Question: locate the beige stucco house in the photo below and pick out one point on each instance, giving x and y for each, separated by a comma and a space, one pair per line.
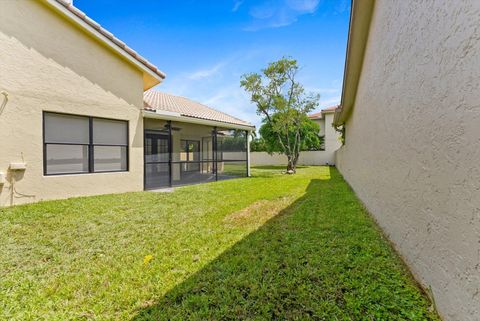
410, 109
77, 116
331, 137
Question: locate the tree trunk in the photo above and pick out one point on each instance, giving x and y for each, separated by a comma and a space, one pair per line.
291, 164
295, 160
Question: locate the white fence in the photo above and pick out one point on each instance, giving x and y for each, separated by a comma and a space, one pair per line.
306, 158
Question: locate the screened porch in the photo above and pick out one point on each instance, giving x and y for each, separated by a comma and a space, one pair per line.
180, 153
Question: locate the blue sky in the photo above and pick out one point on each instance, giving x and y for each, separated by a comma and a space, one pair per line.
204, 46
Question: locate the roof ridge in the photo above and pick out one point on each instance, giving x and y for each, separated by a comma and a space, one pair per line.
202, 104
330, 108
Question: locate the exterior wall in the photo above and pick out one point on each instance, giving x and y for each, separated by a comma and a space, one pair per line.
321, 123
412, 151
48, 64
306, 158
332, 137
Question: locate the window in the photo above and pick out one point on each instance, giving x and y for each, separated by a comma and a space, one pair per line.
80, 144
110, 145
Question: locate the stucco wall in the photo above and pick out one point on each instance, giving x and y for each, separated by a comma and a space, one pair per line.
412, 151
306, 158
332, 137
46, 64
321, 123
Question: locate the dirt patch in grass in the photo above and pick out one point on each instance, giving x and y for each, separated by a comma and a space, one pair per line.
258, 212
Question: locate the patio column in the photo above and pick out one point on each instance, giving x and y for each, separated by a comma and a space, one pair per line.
214, 148
170, 151
247, 133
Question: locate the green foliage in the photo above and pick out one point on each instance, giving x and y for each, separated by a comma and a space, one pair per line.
279, 247
282, 102
308, 131
258, 145
237, 142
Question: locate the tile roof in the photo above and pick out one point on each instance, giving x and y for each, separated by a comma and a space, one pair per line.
67, 4
155, 100
320, 113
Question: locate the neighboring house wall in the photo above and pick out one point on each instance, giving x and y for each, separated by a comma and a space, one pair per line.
412, 150
306, 158
332, 137
321, 123
48, 64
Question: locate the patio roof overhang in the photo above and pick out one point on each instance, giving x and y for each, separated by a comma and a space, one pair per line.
173, 116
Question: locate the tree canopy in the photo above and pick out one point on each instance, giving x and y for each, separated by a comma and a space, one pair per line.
283, 104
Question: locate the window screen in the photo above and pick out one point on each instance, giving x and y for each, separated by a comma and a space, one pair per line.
79, 144
66, 129
110, 141
110, 158
109, 132
63, 159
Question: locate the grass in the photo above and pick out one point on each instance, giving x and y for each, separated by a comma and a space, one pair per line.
234, 169
269, 247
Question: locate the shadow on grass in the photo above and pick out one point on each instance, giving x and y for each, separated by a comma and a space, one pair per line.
321, 258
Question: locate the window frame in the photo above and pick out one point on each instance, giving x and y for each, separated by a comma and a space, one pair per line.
187, 142
90, 145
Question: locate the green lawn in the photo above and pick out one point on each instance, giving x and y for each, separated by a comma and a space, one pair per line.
269, 247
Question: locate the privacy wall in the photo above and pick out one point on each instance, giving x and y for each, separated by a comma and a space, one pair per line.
412, 151
306, 158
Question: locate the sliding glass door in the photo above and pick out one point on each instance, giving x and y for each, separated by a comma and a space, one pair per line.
157, 160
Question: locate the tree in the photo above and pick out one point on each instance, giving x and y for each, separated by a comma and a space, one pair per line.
282, 102
308, 131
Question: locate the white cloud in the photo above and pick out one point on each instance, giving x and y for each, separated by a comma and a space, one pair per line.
329, 102
342, 6
233, 100
275, 14
303, 5
322, 91
218, 86
263, 11
206, 73
237, 5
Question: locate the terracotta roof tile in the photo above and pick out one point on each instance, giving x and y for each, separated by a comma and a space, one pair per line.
315, 115
319, 115
330, 108
155, 100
